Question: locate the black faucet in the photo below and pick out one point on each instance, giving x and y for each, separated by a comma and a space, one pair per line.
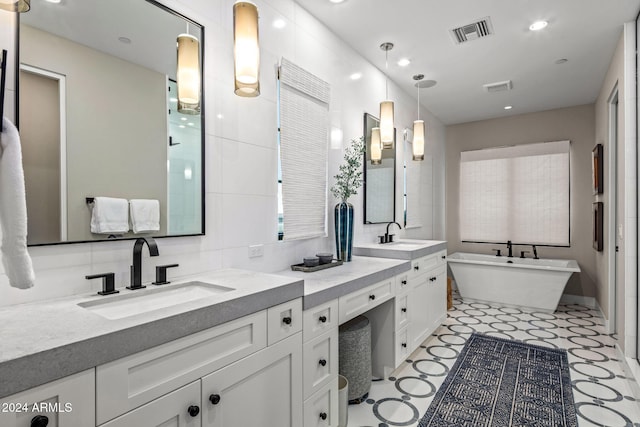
535, 252
388, 238
136, 268
510, 248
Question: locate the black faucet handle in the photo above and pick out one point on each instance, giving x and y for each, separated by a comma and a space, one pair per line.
497, 252
383, 239
161, 274
108, 282
135, 285
522, 254
390, 238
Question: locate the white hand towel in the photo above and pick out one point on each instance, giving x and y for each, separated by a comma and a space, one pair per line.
145, 215
13, 210
110, 216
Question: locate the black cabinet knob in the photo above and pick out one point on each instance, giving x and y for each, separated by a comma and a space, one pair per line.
404, 310
322, 319
372, 297
286, 320
444, 257
193, 410
404, 282
323, 416
214, 399
416, 268
39, 421
322, 362
404, 344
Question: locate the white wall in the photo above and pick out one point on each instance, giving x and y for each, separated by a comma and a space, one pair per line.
241, 159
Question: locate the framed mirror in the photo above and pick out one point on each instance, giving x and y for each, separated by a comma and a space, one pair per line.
98, 116
379, 180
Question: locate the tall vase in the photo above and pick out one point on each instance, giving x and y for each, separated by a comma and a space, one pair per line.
344, 230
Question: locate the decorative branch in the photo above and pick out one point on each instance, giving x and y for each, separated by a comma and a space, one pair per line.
349, 177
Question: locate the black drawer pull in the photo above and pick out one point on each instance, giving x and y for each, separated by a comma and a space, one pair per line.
404, 309
417, 267
286, 320
444, 257
322, 362
404, 282
322, 319
323, 416
372, 297
214, 399
39, 421
193, 410
404, 344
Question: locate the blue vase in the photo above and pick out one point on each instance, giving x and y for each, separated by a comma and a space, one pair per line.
344, 230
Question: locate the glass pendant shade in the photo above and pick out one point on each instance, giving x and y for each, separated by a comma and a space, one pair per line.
418, 140
246, 49
387, 131
15, 5
188, 74
376, 147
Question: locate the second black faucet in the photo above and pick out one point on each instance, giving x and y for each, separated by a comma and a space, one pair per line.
136, 268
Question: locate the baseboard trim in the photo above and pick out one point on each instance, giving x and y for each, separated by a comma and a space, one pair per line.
579, 299
631, 368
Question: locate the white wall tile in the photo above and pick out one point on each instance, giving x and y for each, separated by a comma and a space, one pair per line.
249, 169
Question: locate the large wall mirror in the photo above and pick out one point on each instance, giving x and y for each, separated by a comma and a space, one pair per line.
379, 180
98, 116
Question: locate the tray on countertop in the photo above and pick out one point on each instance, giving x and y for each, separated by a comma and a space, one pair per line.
302, 267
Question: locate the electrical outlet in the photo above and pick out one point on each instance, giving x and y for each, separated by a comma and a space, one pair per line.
256, 251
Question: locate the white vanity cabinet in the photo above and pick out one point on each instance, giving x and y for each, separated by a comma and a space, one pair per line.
428, 297
244, 372
68, 402
320, 366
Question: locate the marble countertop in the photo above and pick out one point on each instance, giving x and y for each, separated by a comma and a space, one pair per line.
45, 341
325, 285
408, 249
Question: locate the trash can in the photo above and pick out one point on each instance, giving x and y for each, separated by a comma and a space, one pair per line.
354, 350
343, 401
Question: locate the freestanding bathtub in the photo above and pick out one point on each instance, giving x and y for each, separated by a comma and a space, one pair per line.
523, 282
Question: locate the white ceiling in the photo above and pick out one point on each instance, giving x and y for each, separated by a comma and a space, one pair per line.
585, 32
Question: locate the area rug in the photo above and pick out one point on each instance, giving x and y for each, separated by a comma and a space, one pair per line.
498, 382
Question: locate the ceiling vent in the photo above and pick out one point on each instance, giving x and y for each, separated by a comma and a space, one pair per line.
476, 30
498, 86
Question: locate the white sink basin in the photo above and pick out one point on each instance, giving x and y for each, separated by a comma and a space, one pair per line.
144, 301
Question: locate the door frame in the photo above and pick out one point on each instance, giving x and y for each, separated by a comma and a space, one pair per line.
612, 135
61, 79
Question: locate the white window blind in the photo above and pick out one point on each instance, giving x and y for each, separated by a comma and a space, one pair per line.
518, 193
304, 123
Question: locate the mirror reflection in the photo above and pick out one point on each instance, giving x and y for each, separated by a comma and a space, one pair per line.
98, 116
379, 179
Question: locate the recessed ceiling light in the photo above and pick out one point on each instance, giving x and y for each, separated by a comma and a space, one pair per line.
279, 23
404, 62
355, 76
54, 1
336, 1
125, 40
190, 123
508, 107
538, 25
184, 119
220, 116
182, 126
561, 61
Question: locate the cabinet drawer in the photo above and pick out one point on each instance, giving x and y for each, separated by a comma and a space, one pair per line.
403, 344
442, 258
74, 397
172, 408
422, 265
402, 283
321, 409
402, 311
363, 300
128, 383
319, 320
320, 361
284, 320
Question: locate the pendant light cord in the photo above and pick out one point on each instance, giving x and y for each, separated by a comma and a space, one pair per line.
386, 74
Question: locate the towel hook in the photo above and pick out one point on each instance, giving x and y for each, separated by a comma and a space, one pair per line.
3, 78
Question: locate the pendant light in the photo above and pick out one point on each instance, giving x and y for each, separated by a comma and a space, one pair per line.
246, 49
15, 5
387, 127
188, 74
376, 147
418, 126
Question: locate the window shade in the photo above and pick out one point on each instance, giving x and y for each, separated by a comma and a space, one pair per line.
518, 193
304, 121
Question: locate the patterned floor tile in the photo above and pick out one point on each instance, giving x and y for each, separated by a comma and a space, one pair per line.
601, 390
